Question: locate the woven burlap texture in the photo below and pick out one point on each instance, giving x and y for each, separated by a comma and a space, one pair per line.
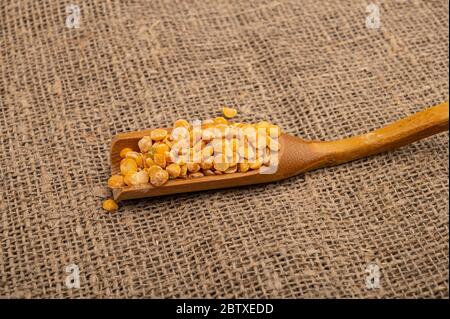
313, 67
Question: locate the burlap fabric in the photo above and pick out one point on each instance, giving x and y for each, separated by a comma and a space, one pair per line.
313, 67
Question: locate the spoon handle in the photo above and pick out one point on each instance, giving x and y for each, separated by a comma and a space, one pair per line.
410, 129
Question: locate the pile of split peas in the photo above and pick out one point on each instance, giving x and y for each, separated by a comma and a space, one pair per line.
206, 148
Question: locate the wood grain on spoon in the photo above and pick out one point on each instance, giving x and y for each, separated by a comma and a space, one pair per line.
295, 156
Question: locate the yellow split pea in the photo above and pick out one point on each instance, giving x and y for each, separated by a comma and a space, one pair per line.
174, 170
158, 134
139, 178
145, 143
229, 112
128, 165
116, 181
123, 152
182, 123
110, 205
159, 177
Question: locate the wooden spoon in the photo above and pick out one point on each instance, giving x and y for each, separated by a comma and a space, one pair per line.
295, 156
